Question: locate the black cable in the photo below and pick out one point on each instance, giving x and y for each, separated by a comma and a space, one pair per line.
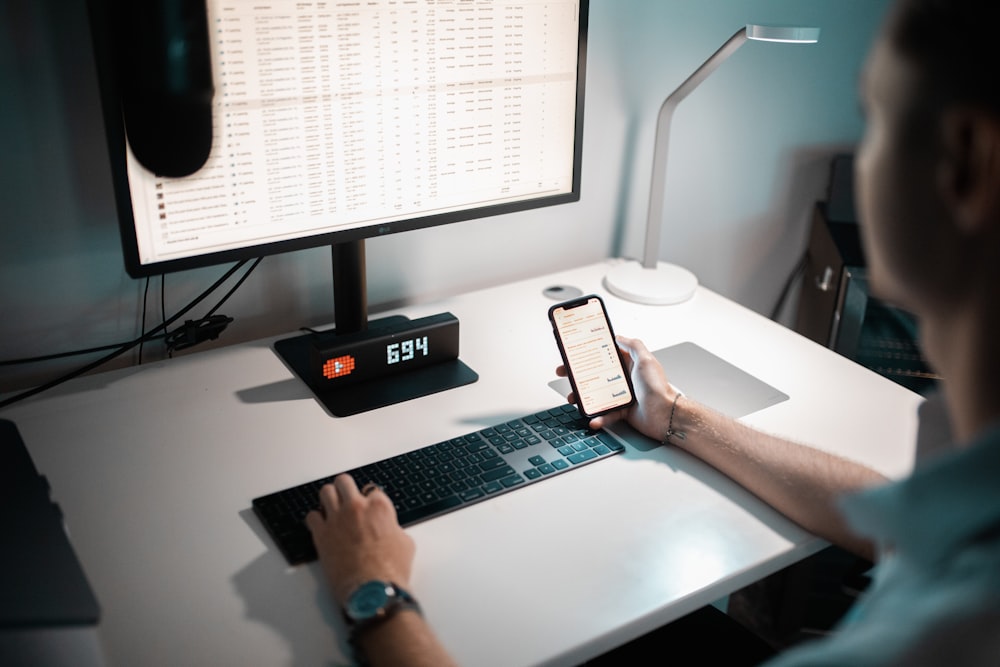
113, 346
796, 271
63, 355
209, 326
163, 297
142, 321
193, 332
124, 347
235, 287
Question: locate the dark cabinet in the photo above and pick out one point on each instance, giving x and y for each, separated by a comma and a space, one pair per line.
836, 307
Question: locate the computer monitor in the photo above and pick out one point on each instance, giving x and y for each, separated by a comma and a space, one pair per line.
337, 121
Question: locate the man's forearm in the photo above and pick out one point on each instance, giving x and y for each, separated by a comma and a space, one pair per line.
405, 639
801, 482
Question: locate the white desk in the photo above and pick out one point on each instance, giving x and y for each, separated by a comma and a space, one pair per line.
155, 468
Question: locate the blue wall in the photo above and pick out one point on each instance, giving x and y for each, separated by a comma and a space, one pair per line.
749, 156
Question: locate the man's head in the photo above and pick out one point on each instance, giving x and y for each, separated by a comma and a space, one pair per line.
953, 43
928, 170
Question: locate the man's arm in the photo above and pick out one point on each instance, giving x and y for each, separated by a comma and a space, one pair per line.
801, 482
359, 539
404, 639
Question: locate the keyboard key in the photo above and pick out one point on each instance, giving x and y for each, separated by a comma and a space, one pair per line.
410, 516
490, 464
471, 494
580, 457
496, 474
612, 444
513, 480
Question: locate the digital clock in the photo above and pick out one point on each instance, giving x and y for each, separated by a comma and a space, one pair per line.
406, 350
396, 346
395, 359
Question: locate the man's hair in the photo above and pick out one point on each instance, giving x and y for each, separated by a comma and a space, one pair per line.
954, 45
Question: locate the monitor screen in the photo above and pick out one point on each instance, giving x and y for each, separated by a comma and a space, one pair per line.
335, 121
244, 128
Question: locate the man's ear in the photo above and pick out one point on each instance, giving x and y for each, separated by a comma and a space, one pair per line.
970, 172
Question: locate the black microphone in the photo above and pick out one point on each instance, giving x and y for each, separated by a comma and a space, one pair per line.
165, 80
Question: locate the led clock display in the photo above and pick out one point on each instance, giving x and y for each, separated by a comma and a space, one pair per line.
393, 348
406, 350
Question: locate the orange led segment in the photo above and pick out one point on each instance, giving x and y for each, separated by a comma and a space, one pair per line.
338, 367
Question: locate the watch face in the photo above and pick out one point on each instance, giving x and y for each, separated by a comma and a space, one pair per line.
368, 600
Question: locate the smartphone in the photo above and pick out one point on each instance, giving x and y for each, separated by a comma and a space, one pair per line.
594, 363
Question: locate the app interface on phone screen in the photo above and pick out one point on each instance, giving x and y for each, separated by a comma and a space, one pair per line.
592, 355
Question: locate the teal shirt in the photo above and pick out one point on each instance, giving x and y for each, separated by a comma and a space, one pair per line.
935, 596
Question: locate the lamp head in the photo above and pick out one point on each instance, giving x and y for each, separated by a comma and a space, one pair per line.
787, 34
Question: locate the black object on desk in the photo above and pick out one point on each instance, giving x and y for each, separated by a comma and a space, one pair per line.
42, 583
394, 359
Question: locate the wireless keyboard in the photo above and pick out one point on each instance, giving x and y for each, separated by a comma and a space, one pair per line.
449, 475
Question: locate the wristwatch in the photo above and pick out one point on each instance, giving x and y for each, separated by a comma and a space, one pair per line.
373, 602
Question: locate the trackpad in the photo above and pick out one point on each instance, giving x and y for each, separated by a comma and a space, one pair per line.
710, 380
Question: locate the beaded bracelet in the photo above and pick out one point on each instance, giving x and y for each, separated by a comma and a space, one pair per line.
681, 435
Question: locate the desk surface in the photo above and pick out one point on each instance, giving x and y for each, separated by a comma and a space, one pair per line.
155, 468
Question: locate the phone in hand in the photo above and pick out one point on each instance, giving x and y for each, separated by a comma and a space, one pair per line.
591, 356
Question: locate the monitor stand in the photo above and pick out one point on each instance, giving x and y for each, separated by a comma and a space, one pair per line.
377, 392
353, 328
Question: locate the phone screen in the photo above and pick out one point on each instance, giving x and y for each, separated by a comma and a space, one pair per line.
587, 344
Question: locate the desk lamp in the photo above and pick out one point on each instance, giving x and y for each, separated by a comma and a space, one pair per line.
659, 283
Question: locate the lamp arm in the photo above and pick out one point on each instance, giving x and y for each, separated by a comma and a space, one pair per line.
657, 187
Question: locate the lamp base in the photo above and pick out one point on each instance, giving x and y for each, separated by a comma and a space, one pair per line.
666, 284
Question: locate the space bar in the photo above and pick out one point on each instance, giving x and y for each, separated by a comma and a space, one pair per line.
406, 517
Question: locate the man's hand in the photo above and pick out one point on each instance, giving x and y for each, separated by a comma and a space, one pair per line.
358, 537
654, 394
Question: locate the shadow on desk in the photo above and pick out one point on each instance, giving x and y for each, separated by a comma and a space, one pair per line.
273, 595
292, 389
